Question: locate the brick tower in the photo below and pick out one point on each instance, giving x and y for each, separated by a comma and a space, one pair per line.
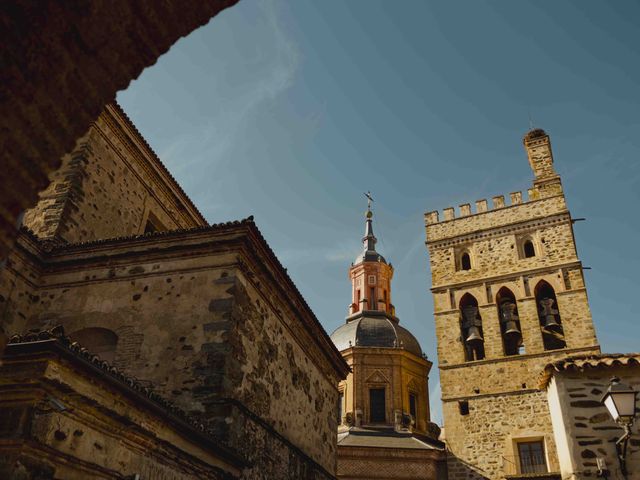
509, 297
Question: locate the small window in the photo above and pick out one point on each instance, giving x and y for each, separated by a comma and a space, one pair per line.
463, 406
528, 249
340, 407
377, 405
372, 279
412, 405
465, 261
531, 457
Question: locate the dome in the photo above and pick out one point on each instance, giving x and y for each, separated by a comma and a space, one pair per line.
374, 329
369, 256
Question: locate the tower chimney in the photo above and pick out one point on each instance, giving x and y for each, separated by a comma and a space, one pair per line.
538, 147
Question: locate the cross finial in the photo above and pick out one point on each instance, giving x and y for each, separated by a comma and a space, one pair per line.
369, 199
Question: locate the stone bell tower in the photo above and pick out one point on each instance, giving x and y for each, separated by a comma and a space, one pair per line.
509, 297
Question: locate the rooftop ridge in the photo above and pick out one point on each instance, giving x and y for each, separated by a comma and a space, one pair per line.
57, 245
154, 156
583, 362
481, 206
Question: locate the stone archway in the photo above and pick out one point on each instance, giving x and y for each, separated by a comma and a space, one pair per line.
61, 64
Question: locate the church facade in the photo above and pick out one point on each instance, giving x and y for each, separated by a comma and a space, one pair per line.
385, 431
201, 319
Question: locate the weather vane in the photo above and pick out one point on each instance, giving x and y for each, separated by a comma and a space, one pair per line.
369, 199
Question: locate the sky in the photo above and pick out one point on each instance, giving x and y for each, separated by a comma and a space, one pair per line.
291, 110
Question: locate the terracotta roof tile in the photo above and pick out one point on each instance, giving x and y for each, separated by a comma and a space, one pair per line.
580, 363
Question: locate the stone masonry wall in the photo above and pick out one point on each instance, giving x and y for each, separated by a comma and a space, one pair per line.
108, 186
209, 333
501, 392
103, 433
62, 62
19, 279
576, 319
482, 443
575, 399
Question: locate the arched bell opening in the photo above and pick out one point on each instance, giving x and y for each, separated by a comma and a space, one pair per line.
509, 322
99, 341
471, 328
549, 315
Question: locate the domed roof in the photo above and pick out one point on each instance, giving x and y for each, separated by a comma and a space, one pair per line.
369, 256
374, 329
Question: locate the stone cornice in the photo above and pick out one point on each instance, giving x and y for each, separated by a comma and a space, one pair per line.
491, 395
510, 276
547, 353
231, 237
492, 232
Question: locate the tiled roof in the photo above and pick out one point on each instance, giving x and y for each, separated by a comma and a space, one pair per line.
580, 363
386, 437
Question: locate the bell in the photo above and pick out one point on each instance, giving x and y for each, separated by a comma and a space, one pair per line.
512, 332
551, 324
511, 328
474, 337
548, 314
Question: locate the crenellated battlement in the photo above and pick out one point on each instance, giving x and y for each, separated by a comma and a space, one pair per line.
481, 206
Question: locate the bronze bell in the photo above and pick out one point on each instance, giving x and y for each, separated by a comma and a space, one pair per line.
510, 320
474, 337
511, 328
548, 314
512, 332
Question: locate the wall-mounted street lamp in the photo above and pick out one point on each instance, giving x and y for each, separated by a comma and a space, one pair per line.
620, 400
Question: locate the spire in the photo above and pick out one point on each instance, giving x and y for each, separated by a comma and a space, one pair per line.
369, 240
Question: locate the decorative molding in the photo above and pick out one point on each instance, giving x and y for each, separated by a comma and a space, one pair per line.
492, 232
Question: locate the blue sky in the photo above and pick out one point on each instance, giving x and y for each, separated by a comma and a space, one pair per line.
289, 111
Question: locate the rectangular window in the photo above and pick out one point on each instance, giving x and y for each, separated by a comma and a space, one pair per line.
372, 299
377, 405
340, 405
531, 457
412, 405
372, 279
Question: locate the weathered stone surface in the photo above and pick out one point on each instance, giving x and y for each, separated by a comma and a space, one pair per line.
62, 62
111, 185
205, 314
252, 356
63, 417
585, 441
501, 390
